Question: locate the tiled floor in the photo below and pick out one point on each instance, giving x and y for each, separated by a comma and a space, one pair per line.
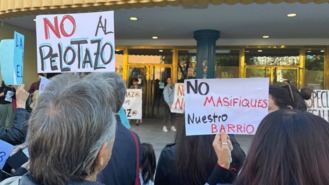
150, 131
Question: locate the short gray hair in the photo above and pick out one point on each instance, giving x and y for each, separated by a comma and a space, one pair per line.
115, 83
67, 129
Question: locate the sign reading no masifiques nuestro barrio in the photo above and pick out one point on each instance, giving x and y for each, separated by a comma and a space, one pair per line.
235, 106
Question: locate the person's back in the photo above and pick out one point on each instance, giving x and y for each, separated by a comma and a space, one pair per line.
192, 159
147, 164
166, 172
121, 169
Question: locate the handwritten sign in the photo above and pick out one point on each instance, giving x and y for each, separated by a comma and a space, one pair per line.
75, 42
133, 104
178, 105
5, 151
235, 106
319, 103
11, 59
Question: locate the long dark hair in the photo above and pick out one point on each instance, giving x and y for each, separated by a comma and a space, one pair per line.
289, 148
195, 158
147, 162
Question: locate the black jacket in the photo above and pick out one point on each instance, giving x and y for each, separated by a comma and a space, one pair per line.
121, 169
166, 173
17, 133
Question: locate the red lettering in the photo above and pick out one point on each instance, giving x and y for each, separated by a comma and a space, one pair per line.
230, 128
265, 104
180, 91
179, 104
245, 103
53, 27
253, 103
63, 31
222, 128
235, 101
239, 129
226, 101
209, 100
219, 102
250, 127
57, 29
214, 128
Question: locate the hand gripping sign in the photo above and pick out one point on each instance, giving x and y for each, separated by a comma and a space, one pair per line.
235, 106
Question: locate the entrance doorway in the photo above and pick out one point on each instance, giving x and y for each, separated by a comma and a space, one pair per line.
280, 64
152, 80
275, 73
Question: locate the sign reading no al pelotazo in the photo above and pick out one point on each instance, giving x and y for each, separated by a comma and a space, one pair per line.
235, 106
75, 42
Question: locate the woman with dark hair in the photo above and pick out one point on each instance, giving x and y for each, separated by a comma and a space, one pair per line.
147, 164
287, 96
192, 159
290, 148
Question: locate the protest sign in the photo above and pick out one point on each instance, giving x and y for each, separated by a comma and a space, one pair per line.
319, 103
5, 151
11, 59
43, 84
133, 104
75, 42
235, 106
178, 105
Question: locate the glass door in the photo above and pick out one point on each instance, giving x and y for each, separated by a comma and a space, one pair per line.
278, 64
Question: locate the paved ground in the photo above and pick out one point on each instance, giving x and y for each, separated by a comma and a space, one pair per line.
150, 131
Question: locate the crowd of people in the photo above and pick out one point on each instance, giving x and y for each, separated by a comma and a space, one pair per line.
75, 136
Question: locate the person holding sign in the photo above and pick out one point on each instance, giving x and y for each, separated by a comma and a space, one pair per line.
290, 148
71, 133
168, 94
122, 169
192, 158
17, 132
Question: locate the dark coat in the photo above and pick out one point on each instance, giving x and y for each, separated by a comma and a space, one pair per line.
121, 170
17, 133
167, 174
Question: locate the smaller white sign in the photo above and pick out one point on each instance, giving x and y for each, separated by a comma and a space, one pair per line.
133, 104
179, 105
319, 103
9, 96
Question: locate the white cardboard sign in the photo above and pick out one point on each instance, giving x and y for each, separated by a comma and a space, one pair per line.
133, 104
319, 103
179, 105
235, 106
81, 42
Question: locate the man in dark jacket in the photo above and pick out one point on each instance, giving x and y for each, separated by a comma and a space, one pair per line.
123, 166
17, 132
